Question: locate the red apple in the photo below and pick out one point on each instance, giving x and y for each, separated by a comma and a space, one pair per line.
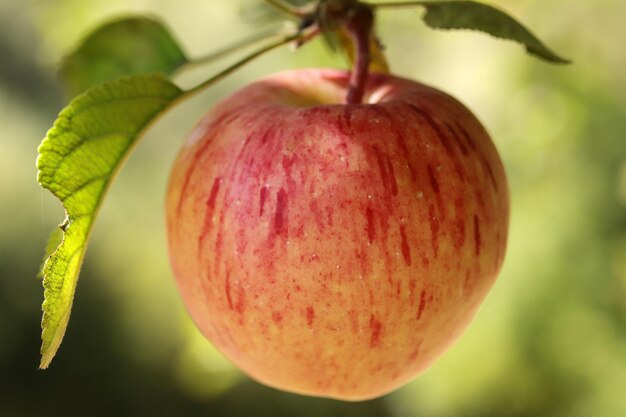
336, 250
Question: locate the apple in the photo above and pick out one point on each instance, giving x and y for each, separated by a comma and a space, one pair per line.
334, 249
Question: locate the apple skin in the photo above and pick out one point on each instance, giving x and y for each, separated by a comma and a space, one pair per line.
336, 250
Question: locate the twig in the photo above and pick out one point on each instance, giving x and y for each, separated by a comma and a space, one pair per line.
288, 9
264, 36
283, 41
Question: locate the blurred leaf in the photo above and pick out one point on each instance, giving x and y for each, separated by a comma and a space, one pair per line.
123, 47
77, 160
477, 16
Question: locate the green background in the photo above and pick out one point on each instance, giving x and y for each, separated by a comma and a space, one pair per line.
550, 339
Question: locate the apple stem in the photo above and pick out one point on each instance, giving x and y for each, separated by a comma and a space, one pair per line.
359, 24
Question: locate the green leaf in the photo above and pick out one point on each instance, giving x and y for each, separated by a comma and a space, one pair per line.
77, 161
54, 240
120, 48
477, 16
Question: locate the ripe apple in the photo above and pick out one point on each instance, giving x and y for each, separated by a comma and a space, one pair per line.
336, 250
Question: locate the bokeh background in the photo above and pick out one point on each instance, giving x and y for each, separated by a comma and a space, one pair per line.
550, 340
